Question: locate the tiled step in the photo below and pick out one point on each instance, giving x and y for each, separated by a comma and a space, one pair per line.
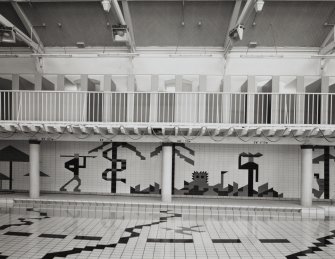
123, 210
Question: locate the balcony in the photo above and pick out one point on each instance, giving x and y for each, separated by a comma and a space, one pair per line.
56, 111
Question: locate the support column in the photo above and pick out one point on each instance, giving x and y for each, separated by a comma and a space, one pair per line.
306, 175
34, 173
167, 173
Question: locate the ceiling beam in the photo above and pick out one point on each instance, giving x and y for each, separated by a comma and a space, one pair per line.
21, 35
247, 9
328, 45
27, 24
233, 20
129, 23
45, 1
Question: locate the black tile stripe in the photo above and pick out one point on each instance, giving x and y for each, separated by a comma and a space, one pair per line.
225, 241
23, 234
52, 236
323, 242
168, 240
88, 238
274, 241
122, 240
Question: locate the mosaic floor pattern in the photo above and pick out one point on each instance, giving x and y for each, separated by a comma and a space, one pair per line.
169, 236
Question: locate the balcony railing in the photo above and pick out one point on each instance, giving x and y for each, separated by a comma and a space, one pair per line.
167, 107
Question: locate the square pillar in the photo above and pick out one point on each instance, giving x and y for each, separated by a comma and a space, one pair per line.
167, 173
34, 172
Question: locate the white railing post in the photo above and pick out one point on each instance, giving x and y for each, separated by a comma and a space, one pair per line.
324, 99
130, 98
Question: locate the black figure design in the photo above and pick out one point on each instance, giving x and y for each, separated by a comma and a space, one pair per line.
114, 160
325, 158
251, 166
74, 165
175, 152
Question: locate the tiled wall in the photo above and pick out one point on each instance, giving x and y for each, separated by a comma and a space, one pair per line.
216, 166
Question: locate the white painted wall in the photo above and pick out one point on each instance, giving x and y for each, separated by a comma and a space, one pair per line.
238, 63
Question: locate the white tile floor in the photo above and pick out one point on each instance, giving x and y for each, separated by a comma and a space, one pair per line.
163, 238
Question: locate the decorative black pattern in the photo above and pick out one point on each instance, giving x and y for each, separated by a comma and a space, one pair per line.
323, 183
200, 186
122, 240
251, 166
20, 234
3, 256
152, 189
323, 242
226, 241
88, 238
114, 160
73, 165
168, 240
53, 236
24, 221
175, 152
274, 241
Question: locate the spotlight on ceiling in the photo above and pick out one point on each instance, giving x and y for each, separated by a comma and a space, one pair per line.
259, 5
106, 5
237, 32
7, 35
120, 33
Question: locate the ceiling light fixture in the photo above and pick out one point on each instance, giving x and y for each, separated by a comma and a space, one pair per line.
7, 35
106, 5
259, 5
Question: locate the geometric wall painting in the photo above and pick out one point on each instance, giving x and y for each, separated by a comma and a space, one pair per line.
73, 165
3, 178
252, 167
41, 174
112, 147
200, 186
323, 184
175, 152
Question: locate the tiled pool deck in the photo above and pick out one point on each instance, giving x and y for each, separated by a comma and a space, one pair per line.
86, 226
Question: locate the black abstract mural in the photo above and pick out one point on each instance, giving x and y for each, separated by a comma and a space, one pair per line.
112, 147
323, 184
11, 154
252, 167
175, 152
73, 165
199, 186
